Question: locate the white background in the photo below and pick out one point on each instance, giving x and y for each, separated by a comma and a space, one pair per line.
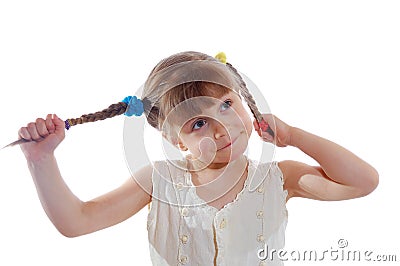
329, 67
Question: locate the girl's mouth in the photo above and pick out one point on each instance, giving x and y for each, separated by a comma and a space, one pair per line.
228, 144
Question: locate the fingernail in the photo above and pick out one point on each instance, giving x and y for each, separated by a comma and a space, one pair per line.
268, 137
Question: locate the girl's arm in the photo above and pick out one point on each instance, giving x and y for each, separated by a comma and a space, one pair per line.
70, 215
340, 174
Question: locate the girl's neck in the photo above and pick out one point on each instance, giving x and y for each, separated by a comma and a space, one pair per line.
203, 175
218, 188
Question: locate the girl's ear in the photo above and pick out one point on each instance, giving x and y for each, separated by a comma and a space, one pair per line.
182, 147
174, 141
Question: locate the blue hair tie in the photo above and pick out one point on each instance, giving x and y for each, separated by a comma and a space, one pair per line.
135, 106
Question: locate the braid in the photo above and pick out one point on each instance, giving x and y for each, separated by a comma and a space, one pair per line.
244, 91
247, 95
111, 111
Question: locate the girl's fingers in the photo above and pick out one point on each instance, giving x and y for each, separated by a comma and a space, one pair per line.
49, 124
33, 131
41, 128
267, 137
59, 125
50, 129
24, 133
257, 127
255, 123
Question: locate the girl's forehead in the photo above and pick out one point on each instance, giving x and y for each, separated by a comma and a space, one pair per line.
203, 104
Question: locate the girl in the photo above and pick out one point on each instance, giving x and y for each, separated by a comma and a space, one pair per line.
204, 210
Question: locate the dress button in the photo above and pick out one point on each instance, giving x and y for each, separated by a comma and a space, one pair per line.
184, 239
179, 185
260, 189
222, 225
184, 212
260, 238
183, 259
260, 214
262, 263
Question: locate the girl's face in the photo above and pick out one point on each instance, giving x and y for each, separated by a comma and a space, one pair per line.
220, 133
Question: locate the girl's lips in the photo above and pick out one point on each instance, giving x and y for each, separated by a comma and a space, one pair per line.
228, 144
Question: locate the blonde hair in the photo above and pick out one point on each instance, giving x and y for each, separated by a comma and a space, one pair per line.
163, 104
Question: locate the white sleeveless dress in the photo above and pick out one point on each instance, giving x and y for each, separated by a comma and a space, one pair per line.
184, 230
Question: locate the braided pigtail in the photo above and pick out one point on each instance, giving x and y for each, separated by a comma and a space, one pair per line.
111, 111
128, 106
244, 91
247, 95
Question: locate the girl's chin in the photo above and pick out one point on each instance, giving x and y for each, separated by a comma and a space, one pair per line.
218, 159
228, 156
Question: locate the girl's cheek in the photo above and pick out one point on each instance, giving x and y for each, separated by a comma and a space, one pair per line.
207, 149
248, 124
207, 145
245, 125
249, 129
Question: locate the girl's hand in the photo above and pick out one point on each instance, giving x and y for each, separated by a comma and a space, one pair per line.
46, 135
281, 129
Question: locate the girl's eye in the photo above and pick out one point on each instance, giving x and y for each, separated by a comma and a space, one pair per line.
199, 123
227, 104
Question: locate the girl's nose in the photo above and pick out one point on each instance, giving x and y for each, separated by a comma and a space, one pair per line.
219, 130
218, 135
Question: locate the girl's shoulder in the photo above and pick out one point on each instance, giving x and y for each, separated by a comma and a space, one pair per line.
270, 167
260, 172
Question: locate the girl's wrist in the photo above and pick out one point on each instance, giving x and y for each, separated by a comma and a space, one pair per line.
39, 158
293, 136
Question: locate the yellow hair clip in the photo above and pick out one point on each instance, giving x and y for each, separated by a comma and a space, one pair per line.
221, 57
